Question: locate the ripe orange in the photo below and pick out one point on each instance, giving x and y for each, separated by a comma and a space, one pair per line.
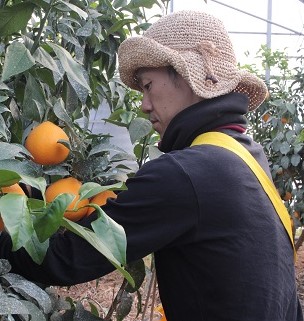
287, 196
100, 199
161, 311
284, 120
68, 185
42, 144
14, 189
265, 117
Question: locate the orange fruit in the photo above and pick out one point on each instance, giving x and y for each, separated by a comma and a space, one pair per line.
69, 185
284, 120
296, 214
14, 189
42, 143
100, 199
265, 117
161, 311
287, 196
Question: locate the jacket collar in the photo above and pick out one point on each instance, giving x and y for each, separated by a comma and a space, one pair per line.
202, 117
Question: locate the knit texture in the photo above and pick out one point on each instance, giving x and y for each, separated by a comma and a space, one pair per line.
198, 46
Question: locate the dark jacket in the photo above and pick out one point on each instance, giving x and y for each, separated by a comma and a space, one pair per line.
221, 251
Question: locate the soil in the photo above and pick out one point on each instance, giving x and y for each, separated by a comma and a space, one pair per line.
102, 292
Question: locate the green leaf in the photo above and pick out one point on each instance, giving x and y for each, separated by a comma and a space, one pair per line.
4, 132
23, 167
36, 182
16, 218
124, 306
295, 159
11, 305
61, 112
86, 30
36, 249
291, 108
285, 162
141, 3
5, 267
9, 151
76, 9
17, 60
80, 90
45, 59
118, 25
71, 67
34, 104
139, 127
105, 147
137, 270
48, 222
15, 18
8, 178
119, 3
154, 152
285, 148
90, 189
298, 147
29, 291
56, 170
112, 234
142, 26
2, 99
35, 313
98, 243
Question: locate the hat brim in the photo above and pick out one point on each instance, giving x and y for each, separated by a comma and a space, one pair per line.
144, 52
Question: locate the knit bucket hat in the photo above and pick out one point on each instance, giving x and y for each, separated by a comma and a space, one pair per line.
198, 46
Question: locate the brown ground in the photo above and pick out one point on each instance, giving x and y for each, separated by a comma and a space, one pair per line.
103, 293
300, 274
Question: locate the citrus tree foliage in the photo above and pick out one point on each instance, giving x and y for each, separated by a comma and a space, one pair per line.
58, 62
278, 125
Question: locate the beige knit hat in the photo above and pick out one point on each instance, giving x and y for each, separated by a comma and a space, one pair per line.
198, 46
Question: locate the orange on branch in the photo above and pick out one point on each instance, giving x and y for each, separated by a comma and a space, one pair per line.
42, 143
13, 189
69, 185
287, 196
265, 117
100, 199
161, 311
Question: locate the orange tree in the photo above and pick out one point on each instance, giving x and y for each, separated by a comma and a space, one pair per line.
58, 61
279, 126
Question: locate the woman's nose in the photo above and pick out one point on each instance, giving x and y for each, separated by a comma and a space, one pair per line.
146, 105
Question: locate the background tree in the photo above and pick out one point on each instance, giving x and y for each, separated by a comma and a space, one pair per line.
278, 125
58, 61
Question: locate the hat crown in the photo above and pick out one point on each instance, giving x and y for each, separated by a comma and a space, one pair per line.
186, 30
198, 46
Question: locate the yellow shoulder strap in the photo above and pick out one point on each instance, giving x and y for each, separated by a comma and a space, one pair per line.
226, 141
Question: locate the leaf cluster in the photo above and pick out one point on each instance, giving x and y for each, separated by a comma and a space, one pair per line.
278, 126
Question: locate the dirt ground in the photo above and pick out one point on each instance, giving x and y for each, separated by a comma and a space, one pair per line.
102, 294
300, 274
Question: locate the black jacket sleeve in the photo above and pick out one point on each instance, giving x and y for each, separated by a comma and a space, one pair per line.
158, 195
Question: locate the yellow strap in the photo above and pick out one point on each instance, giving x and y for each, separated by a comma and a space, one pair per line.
226, 141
